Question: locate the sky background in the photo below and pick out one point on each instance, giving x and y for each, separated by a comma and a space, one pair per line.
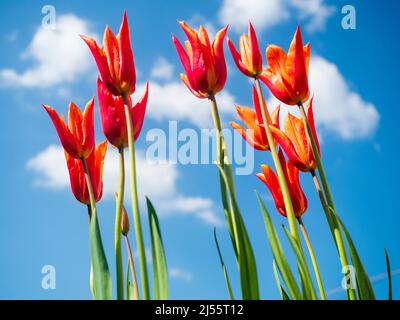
353, 75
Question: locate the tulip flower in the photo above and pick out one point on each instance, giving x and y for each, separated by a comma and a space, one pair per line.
78, 182
113, 118
291, 173
248, 59
204, 62
295, 141
255, 132
115, 59
77, 138
287, 75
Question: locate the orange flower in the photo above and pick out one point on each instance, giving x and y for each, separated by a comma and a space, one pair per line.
249, 60
94, 163
295, 142
77, 138
291, 173
287, 75
115, 59
255, 132
204, 62
112, 115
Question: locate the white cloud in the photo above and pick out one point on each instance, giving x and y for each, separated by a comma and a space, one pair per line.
265, 14
158, 181
162, 69
173, 101
179, 273
59, 56
337, 108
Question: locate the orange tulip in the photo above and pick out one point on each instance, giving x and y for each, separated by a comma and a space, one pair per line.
112, 115
249, 60
287, 75
255, 132
291, 173
115, 59
295, 142
77, 138
204, 62
77, 175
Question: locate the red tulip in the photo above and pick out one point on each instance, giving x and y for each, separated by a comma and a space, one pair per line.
77, 179
295, 142
249, 60
255, 132
299, 200
78, 137
287, 75
115, 59
204, 62
112, 115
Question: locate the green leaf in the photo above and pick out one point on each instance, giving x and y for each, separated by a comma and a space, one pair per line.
160, 270
305, 276
389, 272
282, 291
245, 254
364, 285
228, 283
279, 255
102, 288
130, 288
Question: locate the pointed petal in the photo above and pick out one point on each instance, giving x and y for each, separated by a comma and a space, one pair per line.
138, 112
237, 59
256, 56
88, 128
310, 116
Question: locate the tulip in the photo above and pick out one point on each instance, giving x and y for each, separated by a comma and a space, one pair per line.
77, 138
113, 118
115, 59
204, 62
291, 173
249, 60
76, 171
255, 132
295, 141
287, 75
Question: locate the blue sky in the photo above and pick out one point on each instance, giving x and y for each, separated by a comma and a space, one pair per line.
353, 74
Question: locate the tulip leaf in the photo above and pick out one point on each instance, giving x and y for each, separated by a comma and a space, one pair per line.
101, 287
305, 276
279, 255
160, 270
389, 273
364, 285
228, 283
282, 291
245, 255
130, 288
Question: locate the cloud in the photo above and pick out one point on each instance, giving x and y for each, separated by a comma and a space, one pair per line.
158, 181
162, 69
58, 56
337, 108
266, 14
173, 101
181, 274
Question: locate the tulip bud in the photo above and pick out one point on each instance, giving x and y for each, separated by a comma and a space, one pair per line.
124, 222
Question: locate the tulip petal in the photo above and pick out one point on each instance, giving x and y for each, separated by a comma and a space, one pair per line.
88, 127
138, 112
256, 56
237, 59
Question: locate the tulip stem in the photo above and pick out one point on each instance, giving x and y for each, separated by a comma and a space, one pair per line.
133, 270
281, 177
313, 258
117, 233
223, 160
337, 233
135, 202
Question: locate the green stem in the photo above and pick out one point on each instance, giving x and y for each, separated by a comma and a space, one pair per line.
337, 233
135, 203
281, 177
117, 233
133, 270
313, 259
223, 161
